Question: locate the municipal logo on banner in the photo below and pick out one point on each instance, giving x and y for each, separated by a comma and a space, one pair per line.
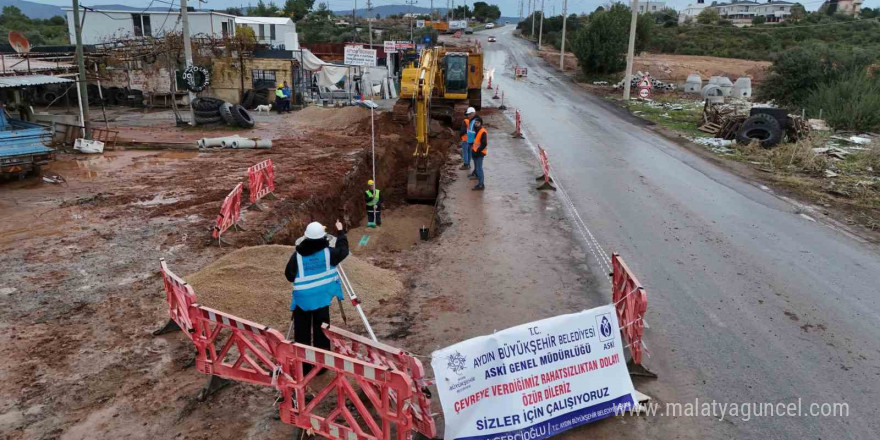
534, 380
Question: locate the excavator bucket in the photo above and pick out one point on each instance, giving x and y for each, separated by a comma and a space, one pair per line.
422, 185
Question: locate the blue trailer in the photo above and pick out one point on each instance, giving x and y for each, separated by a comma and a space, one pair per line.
24, 146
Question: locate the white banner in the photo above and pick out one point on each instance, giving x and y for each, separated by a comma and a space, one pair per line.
390, 47
358, 56
396, 46
457, 24
534, 380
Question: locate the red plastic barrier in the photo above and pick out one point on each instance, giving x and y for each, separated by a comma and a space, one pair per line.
180, 297
356, 346
230, 212
344, 415
631, 302
517, 132
234, 348
490, 84
545, 163
261, 180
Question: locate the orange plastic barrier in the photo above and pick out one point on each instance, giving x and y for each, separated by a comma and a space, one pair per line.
356, 346
261, 180
631, 302
230, 212
363, 400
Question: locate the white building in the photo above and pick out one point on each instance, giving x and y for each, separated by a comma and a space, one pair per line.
278, 32
741, 12
651, 6
103, 25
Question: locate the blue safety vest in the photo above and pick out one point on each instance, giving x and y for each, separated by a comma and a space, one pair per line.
471, 134
316, 281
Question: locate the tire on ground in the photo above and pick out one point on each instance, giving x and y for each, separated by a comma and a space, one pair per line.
247, 101
226, 113
207, 120
208, 114
761, 127
242, 117
207, 104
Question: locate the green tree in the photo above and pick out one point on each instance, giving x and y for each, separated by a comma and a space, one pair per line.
486, 12
758, 20
601, 45
666, 17
297, 9
235, 11
870, 13
798, 12
708, 16
264, 10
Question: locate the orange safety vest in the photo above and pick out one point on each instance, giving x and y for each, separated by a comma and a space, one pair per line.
476, 146
464, 136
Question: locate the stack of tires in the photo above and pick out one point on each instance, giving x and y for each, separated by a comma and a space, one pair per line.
215, 111
764, 127
252, 98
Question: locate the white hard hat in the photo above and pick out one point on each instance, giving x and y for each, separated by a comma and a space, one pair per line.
470, 110
315, 230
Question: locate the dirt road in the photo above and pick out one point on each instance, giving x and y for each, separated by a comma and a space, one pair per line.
749, 300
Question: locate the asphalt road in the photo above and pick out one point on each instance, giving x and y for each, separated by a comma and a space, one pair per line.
749, 301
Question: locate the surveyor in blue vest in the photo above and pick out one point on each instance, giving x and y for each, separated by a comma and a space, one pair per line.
373, 198
473, 128
312, 270
469, 115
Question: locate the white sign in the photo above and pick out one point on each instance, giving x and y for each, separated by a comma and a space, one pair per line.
420, 23
534, 380
457, 24
644, 92
358, 56
397, 46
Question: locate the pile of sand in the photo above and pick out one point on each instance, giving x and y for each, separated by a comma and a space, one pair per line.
331, 118
250, 283
399, 230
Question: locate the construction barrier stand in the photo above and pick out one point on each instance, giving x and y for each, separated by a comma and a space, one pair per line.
387, 391
261, 180
545, 168
230, 212
180, 297
631, 302
517, 132
367, 350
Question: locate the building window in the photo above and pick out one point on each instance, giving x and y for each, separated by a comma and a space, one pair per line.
224, 29
272, 32
261, 35
263, 79
141, 25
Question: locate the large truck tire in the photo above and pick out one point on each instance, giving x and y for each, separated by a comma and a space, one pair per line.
242, 117
226, 114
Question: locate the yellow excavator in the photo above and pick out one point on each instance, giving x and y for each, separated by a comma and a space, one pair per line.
441, 83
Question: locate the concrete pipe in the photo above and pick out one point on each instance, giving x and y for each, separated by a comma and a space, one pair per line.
216, 142
249, 143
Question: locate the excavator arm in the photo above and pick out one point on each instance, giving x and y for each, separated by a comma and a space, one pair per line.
427, 75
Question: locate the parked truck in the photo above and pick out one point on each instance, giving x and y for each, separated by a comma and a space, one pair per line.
23, 146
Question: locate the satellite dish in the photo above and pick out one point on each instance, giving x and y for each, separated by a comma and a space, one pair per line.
19, 42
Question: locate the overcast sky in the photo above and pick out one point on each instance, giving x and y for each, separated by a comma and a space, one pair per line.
509, 8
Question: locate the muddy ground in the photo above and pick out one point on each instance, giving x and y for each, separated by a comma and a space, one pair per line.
80, 291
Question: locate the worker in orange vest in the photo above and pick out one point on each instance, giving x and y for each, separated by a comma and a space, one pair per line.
465, 143
479, 149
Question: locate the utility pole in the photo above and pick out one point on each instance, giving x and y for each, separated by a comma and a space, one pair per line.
411, 3
562, 51
541, 28
188, 55
533, 17
370, 21
630, 52
81, 65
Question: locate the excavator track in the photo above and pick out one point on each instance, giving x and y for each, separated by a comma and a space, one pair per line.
402, 112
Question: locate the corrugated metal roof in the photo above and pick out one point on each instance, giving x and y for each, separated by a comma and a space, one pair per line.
31, 80
15, 63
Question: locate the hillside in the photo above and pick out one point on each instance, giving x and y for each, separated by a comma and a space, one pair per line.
34, 10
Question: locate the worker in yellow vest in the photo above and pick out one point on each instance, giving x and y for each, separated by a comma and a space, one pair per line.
374, 205
479, 150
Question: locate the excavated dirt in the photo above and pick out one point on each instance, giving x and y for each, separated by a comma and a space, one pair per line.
228, 284
80, 292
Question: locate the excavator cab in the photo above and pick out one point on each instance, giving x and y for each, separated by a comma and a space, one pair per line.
455, 66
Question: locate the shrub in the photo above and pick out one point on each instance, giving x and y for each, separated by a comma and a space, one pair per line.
796, 73
851, 101
601, 46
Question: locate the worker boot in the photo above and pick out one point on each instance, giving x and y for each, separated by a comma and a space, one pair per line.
464, 167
